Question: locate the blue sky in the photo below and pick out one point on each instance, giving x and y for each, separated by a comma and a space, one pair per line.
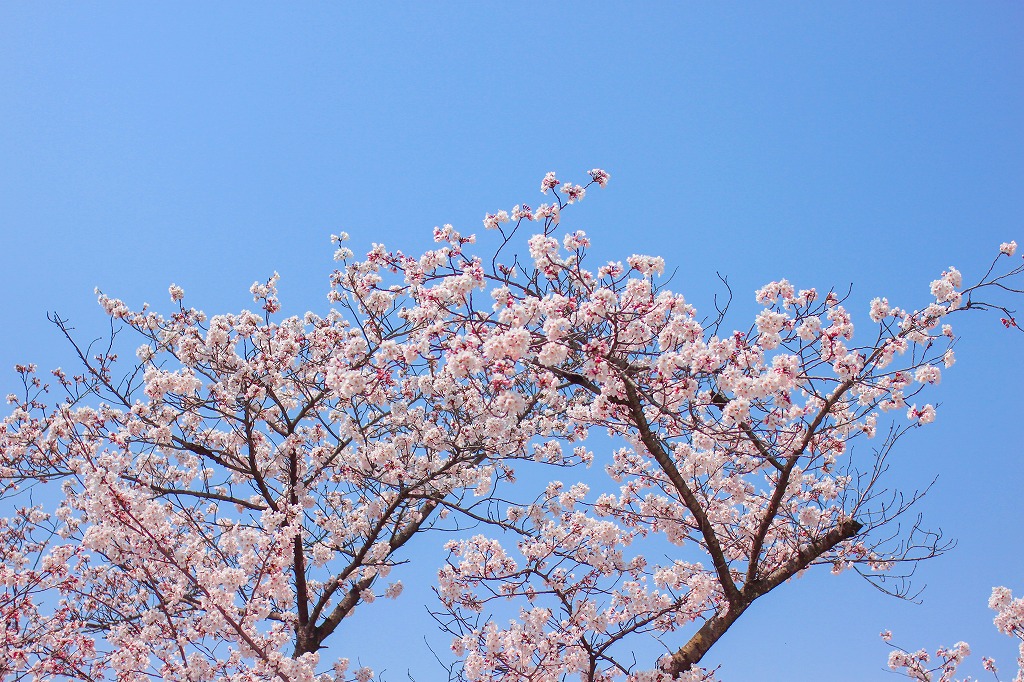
834, 143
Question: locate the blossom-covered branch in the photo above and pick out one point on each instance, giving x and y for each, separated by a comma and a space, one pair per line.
920, 666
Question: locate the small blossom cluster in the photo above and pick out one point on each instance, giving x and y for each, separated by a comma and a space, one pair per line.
548, 212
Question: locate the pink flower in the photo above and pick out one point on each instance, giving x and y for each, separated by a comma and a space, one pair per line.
573, 192
647, 265
549, 182
576, 240
492, 220
521, 212
879, 309
599, 176
925, 415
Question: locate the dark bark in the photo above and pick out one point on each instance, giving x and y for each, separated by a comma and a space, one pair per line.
694, 650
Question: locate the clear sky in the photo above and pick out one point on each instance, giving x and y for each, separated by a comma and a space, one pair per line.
830, 143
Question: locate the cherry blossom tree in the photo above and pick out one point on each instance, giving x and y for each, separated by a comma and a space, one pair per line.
737, 448
234, 493
227, 498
